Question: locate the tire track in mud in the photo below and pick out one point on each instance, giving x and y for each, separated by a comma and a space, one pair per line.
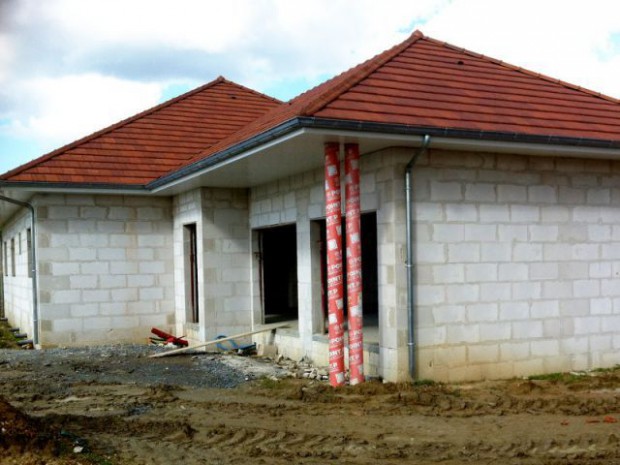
236, 442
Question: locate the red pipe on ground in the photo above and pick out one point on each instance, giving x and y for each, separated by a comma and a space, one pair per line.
335, 291
354, 263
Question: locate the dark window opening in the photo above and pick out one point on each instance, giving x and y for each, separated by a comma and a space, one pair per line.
29, 251
13, 265
191, 273
278, 255
370, 278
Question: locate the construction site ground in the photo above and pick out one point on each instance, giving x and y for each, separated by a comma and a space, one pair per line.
115, 405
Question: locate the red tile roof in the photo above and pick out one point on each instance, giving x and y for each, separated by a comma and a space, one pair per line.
420, 83
144, 147
426, 83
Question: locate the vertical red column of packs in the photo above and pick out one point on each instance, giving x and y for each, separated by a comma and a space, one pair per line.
335, 291
354, 263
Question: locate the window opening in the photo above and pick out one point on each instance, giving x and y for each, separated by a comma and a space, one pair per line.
13, 256
29, 251
370, 279
190, 247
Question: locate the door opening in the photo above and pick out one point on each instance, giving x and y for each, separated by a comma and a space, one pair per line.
278, 252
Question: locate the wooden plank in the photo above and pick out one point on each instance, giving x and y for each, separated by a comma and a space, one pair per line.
262, 329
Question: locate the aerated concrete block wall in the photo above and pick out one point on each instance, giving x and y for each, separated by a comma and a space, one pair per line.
105, 268
300, 200
224, 261
517, 265
16, 267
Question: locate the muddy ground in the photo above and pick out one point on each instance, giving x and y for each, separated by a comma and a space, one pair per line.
114, 405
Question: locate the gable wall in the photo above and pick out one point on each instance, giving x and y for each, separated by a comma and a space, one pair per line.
105, 268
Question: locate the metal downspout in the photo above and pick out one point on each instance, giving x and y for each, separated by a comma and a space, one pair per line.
410, 255
35, 293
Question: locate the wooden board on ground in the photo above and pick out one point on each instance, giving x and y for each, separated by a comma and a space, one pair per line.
262, 329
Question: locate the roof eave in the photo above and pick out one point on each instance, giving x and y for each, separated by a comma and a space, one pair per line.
448, 138
74, 188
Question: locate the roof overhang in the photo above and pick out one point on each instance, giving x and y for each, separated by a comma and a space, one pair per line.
297, 146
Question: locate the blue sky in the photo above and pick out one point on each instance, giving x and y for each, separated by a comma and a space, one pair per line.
71, 67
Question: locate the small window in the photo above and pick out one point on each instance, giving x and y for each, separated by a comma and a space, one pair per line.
29, 264
5, 262
13, 256
190, 250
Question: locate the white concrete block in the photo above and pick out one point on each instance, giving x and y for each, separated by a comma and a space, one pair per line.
526, 290
550, 348
599, 232
587, 252
529, 252
544, 270
446, 191
555, 214
557, 289
601, 306
543, 233
463, 333
494, 213
480, 232
491, 292
610, 287
487, 353
587, 325
150, 294
495, 331
430, 253
523, 330
461, 212
511, 193
464, 253
542, 194
482, 312
83, 281
461, 293
512, 233
598, 196
480, 192
509, 311
65, 296
482, 272
586, 288
510, 351
449, 314
428, 211
495, 252
429, 295
513, 272
448, 274
609, 251
448, 232
96, 295
600, 270
524, 213
545, 309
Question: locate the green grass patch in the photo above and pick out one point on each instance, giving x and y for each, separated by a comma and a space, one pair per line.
7, 339
557, 377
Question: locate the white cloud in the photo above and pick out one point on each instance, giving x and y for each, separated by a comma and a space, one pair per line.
73, 106
561, 39
71, 67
